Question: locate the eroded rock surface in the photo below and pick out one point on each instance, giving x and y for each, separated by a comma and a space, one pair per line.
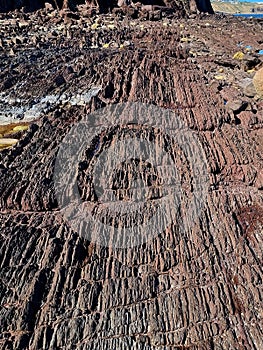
194, 287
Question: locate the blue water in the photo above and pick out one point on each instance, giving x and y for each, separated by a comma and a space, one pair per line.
254, 15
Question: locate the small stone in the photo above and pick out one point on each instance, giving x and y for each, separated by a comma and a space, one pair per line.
243, 83
8, 142
185, 40
94, 26
236, 106
48, 7
20, 128
238, 55
250, 90
22, 24
219, 77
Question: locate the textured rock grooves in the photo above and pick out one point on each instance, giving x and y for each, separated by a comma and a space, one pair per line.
186, 289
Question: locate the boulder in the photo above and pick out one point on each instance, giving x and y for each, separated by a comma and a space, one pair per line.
258, 82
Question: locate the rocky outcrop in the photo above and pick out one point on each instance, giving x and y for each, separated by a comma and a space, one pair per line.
196, 284
181, 6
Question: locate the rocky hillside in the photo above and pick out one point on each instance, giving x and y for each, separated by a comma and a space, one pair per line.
240, 7
195, 280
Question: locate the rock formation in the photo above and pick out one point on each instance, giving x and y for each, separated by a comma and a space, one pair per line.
184, 6
195, 286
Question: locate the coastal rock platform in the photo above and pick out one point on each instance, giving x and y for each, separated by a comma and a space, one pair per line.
197, 286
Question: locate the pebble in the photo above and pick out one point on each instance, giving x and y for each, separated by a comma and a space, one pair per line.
219, 77
20, 128
236, 106
250, 90
8, 142
238, 55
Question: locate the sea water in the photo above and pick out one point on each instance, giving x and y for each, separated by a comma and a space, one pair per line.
249, 15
